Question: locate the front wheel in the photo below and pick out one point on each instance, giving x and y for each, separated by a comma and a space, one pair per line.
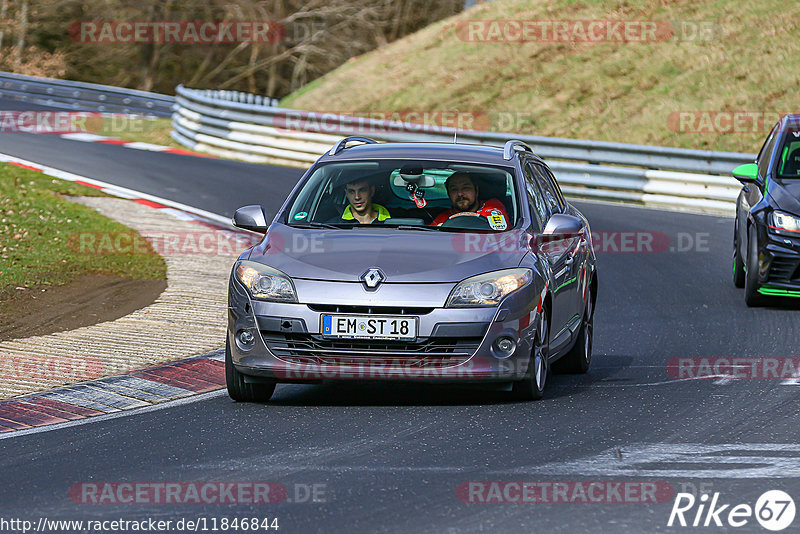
738, 262
532, 386
751, 295
577, 360
238, 389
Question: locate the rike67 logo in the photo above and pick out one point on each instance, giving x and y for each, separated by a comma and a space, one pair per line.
774, 510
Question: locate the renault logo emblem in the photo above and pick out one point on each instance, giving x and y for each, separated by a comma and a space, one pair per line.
372, 279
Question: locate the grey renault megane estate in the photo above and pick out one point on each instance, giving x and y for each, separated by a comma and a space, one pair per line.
414, 261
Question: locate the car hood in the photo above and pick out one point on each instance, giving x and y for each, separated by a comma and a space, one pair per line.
402, 255
786, 195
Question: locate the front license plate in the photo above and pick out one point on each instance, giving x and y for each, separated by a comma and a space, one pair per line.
370, 326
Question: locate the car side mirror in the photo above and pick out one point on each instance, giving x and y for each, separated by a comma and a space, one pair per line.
747, 173
560, 228
563, 226
252, 218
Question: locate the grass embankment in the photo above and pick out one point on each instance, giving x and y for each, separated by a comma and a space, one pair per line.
615, 91
40, 229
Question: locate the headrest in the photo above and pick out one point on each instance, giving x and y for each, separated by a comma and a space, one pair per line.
792, 165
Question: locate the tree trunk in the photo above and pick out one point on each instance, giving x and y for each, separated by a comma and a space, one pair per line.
23, 28
3, 13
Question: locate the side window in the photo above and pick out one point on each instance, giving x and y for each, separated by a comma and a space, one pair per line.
766, 151
547, 187
557, 189
766, 142
535, 203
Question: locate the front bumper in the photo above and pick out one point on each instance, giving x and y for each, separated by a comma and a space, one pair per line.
779, 266
453, 345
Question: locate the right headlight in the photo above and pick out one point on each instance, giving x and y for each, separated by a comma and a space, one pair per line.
486, 290
265, 283
783, 222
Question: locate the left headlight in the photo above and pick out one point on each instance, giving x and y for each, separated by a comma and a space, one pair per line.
488, 289
265, 283
783, 222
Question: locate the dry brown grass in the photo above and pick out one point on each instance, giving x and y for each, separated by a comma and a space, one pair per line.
627, 92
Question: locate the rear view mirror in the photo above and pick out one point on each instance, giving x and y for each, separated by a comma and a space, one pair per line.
747, 173
415, 176
252, 218
420, 180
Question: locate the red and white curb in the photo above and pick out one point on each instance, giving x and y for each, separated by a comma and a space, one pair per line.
177, 209
137, 389
136, 145
113, 394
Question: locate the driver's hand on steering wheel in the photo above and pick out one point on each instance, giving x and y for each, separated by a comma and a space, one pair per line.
459, 214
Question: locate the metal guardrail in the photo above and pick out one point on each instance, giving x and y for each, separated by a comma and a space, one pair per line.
80, 96
252, 128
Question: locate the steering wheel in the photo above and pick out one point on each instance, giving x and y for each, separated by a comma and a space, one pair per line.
468, 220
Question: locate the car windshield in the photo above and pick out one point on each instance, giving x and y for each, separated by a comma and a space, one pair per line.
407, 194
789, 162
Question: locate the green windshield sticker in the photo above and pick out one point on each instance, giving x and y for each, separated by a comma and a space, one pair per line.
783, 158
301, 215
788, 149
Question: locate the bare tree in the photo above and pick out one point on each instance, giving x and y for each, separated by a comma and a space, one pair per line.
309, 39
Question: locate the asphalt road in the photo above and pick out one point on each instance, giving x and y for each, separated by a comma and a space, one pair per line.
390, 458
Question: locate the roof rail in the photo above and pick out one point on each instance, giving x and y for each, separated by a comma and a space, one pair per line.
515, 144
342, 144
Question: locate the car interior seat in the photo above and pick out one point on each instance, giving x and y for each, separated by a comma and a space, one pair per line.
791, 166
490, 187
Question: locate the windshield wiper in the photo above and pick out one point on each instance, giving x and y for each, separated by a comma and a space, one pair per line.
321, 225
412, 227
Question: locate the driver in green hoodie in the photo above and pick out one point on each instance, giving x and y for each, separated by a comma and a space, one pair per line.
360, 206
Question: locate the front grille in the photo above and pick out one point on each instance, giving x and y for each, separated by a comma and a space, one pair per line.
369, 310
311, 349
783, 269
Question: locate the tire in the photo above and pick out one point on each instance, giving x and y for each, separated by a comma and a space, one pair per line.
532, 386
578, 359
751, 295
738, 261
238, 389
